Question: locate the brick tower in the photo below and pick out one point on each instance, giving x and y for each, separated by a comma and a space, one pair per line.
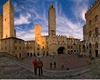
8, 20
52, 21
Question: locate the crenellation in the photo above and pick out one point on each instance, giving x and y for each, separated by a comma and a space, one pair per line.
92, 7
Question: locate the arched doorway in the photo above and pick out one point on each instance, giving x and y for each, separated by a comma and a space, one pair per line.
61, 50
96, 49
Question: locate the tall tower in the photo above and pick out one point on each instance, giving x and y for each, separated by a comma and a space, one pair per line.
37, 38
8, 20
52, 21
1, 26
37, 33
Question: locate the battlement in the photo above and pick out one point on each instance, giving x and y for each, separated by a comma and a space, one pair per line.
61, 36
92, 7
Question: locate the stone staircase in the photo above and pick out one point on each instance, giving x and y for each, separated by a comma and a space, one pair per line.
14, 68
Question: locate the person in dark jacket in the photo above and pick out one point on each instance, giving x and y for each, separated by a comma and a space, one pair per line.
35, 63
40, 65
50, 65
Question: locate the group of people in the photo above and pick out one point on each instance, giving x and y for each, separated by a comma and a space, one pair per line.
38, 66
52, 64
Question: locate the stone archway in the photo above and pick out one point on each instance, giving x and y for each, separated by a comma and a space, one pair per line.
61, 50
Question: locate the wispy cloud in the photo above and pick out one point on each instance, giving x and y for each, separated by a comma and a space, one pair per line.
37, 14
80, 7
66, 27
25, 34
22, 19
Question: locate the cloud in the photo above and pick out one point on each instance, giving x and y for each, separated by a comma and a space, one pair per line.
26, 35
66, 27
80, 7
38, 15
23, 19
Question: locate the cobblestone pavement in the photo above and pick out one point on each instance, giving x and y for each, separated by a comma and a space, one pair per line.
69, 61
91, 72
13, 69
10, 69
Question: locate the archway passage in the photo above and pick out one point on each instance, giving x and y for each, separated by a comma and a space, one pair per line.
61, 50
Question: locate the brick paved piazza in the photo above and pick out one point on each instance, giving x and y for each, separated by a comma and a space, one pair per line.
13, 68
69, 61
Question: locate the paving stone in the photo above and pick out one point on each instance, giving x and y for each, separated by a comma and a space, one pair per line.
11, 68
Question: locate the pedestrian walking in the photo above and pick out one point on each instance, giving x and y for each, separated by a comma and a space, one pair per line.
34, 62
54, 64
50, 65
40, 65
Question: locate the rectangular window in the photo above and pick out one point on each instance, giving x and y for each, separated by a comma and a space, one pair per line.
15, 41
5, 48
19, 47
96, 18
15, 47
89, 33
90, 22
96, 31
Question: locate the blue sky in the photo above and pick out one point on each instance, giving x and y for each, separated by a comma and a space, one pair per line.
70, 16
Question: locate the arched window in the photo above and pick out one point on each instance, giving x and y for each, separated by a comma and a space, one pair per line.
90, 22
89, 33
43, 47
83, 48
96, 45
96, 18
71, 47
96, 31
68, 47
89, 45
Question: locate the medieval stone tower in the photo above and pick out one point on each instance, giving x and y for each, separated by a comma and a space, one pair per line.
1, 26
52, 21
37, 38
8, 20
37, 33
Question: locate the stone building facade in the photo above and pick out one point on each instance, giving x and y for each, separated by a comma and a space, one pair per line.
42, 45
54, 44
8, 41
92, 30
13, 46
29, 47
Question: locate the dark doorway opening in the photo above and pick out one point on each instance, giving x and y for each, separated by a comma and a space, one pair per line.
68, 51
19, 55
27, 54
96, 53
30, 54
61, 50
